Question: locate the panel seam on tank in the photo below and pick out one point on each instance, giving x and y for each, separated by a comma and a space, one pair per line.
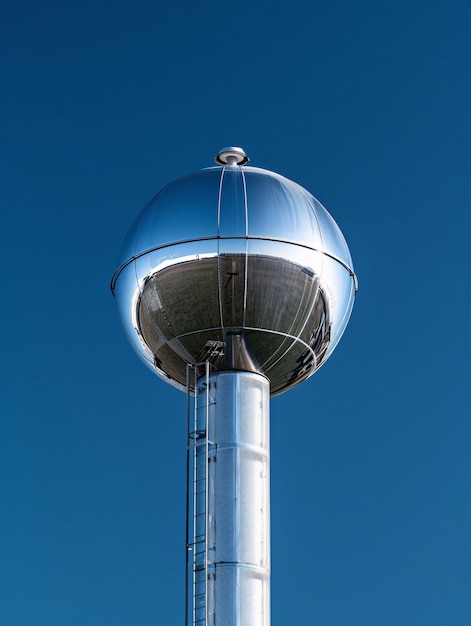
286, 352
243, 446
301, 330
251, 328
246, 268
315, 213
236, 491
215, 238
221, 318
281, 347
239, 565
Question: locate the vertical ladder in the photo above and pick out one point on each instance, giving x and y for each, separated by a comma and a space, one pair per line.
197, 499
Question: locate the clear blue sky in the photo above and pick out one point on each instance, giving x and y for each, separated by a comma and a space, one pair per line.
364, 103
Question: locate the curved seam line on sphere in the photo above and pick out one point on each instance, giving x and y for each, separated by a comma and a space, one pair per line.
221, 182
262, 330
283, 349
216, 238
252, 328
246, 260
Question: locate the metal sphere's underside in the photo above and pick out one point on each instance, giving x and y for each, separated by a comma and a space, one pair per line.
238, 266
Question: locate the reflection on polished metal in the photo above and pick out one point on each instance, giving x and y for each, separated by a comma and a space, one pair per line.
243, 272
235, 250
229, 508
231, 156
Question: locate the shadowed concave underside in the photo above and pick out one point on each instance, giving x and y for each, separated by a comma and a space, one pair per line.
236, 294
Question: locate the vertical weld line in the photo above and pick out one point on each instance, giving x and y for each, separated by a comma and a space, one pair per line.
282, 347
314, 299
218, 248
188, 413
236, 541
195, 509
206, 502
246, 247
313, 206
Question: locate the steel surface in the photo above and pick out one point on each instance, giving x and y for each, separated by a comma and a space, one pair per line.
230, 514
235, 250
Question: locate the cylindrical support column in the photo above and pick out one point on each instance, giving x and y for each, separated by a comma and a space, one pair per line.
238, 498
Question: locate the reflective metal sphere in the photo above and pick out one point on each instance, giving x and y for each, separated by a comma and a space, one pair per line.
239, 266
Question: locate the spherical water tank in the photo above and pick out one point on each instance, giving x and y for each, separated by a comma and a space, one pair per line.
237, 266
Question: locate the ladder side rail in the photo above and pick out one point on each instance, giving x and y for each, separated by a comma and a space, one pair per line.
189, 490
195, 496
206, 504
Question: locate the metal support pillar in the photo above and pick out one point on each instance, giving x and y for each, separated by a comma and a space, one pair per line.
234, 587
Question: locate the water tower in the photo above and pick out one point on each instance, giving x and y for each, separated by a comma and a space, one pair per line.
234, 284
